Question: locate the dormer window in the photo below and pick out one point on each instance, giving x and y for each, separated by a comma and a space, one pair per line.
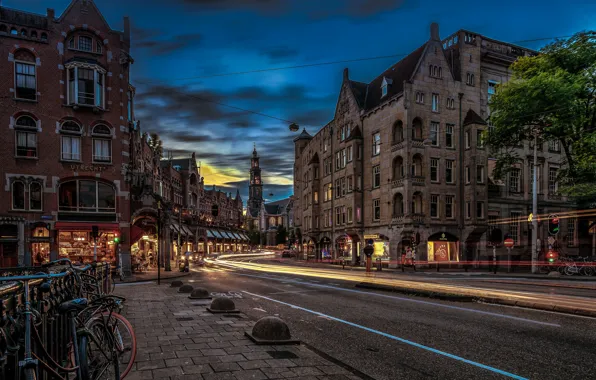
85, 43
385, 86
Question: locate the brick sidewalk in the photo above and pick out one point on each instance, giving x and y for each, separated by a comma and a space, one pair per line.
178, 339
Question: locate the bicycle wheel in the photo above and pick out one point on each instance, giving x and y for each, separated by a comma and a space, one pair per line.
98, 356
125, 341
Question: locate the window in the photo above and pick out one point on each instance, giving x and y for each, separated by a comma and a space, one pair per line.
343, 158
376, 176
450, 104
35, 196
337, 160
316, 197
479, 138
44, 37
376, 144
449, 171
467, 137
514, 180
14, 31
71, 141
571, 232
492, 223
86, 196
552, 180
554, 146
420, 97
434, 206
480, 210
470, 79
376, 209
343, 214
449, 135
129, 108
349, 153
383, 90
328, 192
98, 47
358, 214
26, 137
25, 80
449, 206
337, 188
324, 144
316, 172
435, 104
492, 89
350, 183
102, 143
358, 151
18, 195
467, 174
71, 43
479, 174
337, 216
514, 226
434, 170
86, 85
350, 216
85, 43
434, 133
342, 183
468, 210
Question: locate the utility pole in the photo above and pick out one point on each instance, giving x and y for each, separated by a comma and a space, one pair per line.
534, 205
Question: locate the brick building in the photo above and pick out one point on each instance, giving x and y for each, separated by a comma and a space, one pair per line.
388, 167
64, 82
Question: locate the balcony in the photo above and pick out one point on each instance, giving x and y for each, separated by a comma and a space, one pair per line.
418, 143
418, 218
397, 146
418, 180
397, 183
398, 219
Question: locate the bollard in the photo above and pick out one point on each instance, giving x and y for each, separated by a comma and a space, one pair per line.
185, 289
200, 294
221, 305
176, 284
271, 331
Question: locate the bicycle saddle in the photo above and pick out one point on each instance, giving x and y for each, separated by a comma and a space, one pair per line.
77, 304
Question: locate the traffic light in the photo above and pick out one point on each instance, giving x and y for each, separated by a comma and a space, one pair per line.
552, 256
553, 224
116, 239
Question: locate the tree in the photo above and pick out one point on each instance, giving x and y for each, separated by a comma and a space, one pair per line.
156, 146
281, 235
253, 234
552, 94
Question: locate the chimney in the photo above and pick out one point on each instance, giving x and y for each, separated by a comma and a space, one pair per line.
346, 77
434, 32
127, 30
51, 14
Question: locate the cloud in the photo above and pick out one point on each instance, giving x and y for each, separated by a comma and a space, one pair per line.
279, 54
159, 43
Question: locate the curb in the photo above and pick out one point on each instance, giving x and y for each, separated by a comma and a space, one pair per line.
154, 279
418, 292
491, 300
338, 362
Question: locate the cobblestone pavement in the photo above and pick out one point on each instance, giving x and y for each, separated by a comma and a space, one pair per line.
178, 339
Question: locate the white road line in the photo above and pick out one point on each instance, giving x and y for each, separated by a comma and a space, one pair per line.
393, 337
414, 301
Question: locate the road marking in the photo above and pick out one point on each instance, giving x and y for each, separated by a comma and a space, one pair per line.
295, 292
227, 295
409, 342
415, 301
134, 283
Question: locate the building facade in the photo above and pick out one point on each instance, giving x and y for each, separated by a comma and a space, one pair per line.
64, 81
403, 163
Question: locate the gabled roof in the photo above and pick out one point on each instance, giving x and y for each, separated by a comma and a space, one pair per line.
398, 73
355, 134
277, 207
359, 91
314, 159
473, 118
92, 3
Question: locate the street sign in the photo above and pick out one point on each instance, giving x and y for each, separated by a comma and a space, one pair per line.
509, 242
373, 236
369, 250
370, 242
551, 240
530, 217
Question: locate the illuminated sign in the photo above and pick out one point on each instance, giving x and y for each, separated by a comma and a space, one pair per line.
375, 236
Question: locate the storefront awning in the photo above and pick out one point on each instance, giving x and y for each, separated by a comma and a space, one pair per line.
186, 231
237, 234
174, 227
443, 236
227, 235
245, 236
210, 234
218, 234
79, 226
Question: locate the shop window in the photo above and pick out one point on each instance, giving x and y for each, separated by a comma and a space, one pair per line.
86, 196
26, 137
35, 194
18, 195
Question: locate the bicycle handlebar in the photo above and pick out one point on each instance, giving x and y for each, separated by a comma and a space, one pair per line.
39, 276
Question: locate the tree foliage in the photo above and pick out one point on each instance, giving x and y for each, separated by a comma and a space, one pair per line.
281, 235
552, 94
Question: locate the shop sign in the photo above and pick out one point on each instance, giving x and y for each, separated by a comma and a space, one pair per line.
47, 217
88, 168
374, 236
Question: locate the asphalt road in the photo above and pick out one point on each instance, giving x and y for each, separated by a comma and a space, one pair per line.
391, 336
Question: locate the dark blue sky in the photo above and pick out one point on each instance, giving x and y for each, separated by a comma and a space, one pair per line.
177, 44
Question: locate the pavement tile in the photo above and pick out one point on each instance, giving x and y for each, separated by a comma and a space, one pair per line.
225, 367
162, 355
139, 375
193, 376
178, 362
333, 370
151, 364
254, 364
219, 376
280, 363
166, 372
232, 358
197, 368
250, 375
212, 351
305, 371
207, 359
189, 353
256, 355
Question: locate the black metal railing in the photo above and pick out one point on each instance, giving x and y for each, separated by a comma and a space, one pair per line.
51, 335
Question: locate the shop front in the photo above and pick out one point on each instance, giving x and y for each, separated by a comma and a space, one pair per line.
308, 248
443, 247
325, 251
144, 241
40, 243
76, 241
9, 242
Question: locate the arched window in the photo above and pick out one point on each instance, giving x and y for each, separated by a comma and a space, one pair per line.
102, 143
440, 72
398, 131
35, 197
398, 168
25, 78
430, 70
71, 141
14, 31
272, 221
23, 32
398, 205
26, 137
417, 129
34, 34
86, 196
3, 29
18, 195
417, 203
44, 37
417, 165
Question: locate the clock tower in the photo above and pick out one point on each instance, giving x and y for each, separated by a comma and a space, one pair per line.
255, 188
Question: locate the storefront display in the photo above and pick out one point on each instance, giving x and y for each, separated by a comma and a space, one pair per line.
40, 245
79, 246
443, 247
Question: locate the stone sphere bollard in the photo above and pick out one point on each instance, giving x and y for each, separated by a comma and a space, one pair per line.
271, 330
222, 305
200, 294
176, 284
185, 289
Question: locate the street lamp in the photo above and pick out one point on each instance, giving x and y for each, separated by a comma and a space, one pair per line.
294, 127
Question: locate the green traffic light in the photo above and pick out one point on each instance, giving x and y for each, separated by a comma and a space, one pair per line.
116, 240
551, 260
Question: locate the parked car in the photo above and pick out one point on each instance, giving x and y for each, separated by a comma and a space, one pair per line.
288, 253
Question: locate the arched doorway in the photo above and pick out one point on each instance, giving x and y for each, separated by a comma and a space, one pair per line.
40, 243
325, 249
443, 247
144, 241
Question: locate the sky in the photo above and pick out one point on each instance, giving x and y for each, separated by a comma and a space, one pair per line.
185, 49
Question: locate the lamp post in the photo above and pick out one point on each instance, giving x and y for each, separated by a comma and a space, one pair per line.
534, 206
158, 242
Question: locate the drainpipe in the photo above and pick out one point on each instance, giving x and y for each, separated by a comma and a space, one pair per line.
461, 179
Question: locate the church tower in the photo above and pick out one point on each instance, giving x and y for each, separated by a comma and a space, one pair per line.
255, 188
